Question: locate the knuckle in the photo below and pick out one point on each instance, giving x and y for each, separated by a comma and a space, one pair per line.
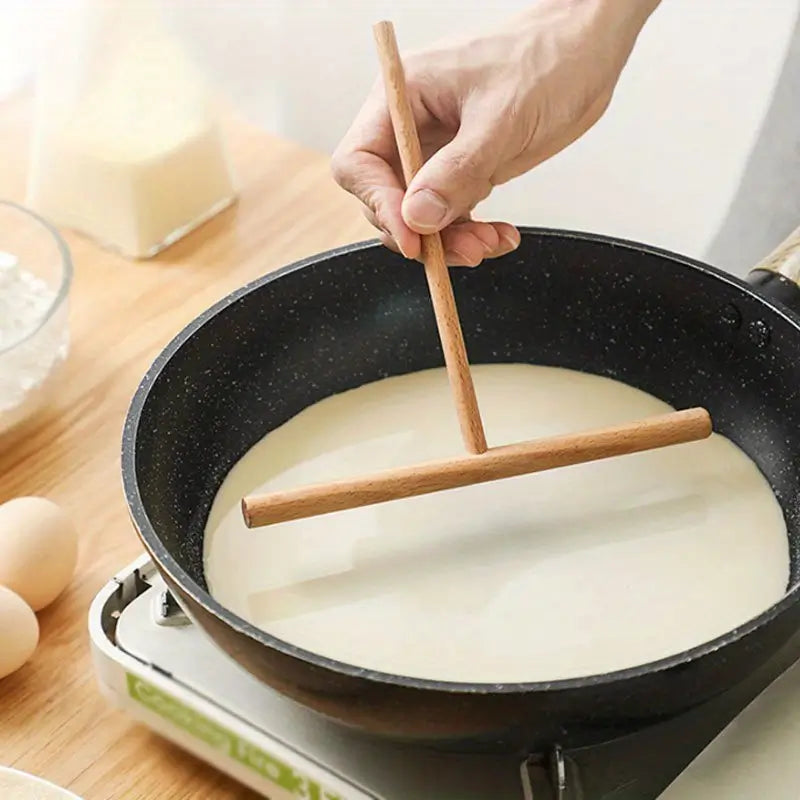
341, 168
471, 167
468, 161
473, 182
375, 207
369, 215
371, 199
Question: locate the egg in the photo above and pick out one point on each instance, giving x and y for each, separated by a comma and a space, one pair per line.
38, 549
19, 632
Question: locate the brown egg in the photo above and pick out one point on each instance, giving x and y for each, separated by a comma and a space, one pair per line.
19, 632
38, 549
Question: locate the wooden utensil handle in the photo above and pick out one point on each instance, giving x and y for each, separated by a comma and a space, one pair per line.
785, 258
497, 463
436, 271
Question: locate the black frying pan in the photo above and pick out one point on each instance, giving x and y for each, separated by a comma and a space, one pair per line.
687, 333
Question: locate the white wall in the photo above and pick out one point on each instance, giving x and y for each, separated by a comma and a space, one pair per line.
17, 42
660, 167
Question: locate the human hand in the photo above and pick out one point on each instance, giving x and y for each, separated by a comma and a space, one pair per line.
488, 109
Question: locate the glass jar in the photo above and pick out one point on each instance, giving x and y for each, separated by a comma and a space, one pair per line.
127, 145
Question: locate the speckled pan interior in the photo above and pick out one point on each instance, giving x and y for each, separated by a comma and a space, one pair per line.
665, 325
677, 329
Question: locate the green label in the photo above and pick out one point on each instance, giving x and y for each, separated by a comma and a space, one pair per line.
280, 774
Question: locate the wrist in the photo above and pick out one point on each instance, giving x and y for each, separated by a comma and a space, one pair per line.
623, 17
626, 16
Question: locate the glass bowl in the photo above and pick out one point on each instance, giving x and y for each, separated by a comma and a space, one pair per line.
35, 278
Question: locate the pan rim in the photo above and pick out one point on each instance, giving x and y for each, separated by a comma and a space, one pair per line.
166, 562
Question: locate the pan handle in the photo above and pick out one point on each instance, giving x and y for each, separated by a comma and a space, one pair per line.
778, 275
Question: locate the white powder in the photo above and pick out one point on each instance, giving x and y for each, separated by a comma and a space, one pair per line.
26, 361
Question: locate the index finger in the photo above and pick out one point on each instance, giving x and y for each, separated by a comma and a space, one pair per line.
366, 164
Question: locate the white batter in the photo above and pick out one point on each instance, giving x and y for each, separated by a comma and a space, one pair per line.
565, 573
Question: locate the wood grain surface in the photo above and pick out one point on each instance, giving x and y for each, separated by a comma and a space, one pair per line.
53, 722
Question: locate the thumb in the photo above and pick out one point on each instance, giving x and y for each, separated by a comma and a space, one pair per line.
450, 183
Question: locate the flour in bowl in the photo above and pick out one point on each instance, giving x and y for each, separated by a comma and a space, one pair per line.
29, 351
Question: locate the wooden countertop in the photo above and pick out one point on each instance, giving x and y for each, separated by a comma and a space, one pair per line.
53, 721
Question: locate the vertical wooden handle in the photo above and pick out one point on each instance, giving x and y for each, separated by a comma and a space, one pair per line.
436, 271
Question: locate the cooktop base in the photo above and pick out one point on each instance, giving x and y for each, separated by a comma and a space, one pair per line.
153, 662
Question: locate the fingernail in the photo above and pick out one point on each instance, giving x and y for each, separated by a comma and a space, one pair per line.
425, 210
511, 240
390, 238
454, 258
